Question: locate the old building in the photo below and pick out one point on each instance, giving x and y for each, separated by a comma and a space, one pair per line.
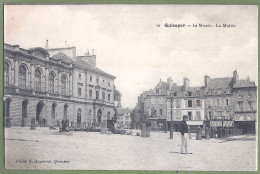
153, 104
185, 100
124, 118
221, 102
55, 84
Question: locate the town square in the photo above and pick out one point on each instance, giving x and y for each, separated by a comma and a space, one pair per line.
91, 91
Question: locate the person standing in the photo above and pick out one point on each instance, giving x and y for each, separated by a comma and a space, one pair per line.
184, 136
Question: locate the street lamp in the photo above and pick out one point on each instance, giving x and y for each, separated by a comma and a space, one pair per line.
171, 127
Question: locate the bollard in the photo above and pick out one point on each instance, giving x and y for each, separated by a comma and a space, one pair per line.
33, 127
171, 133
189, 132
199, 133
143, 131
207, 133
148, 132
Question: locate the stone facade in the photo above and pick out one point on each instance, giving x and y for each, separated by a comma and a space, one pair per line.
55, 84
228, 98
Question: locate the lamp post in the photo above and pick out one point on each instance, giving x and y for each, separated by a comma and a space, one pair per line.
171, 128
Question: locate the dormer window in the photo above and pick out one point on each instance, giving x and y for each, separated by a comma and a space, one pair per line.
90, 78
189, 93
157, 91
175, 94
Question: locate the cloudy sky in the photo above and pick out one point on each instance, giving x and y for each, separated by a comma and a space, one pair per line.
130, 46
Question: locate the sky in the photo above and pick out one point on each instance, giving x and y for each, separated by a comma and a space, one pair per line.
128, 44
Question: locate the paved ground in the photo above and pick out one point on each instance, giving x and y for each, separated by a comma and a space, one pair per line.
38, 149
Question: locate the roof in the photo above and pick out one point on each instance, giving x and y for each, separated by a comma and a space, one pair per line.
82, 62
40, 49
162, 85
243, 84
63, 57
217, 83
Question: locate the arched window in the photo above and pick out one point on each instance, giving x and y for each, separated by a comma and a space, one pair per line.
6, 74
51, 83
79, 116
63, 84
37, 77
22, 77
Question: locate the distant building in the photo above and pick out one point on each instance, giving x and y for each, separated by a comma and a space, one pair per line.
55, 84
123, 117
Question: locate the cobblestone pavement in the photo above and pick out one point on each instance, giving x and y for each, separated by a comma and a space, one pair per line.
95, 151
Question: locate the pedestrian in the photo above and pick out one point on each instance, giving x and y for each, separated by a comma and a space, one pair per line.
184, 136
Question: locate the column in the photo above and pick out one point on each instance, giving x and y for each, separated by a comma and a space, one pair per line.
70, 84
16, 73
32, 77
47, 80
58, 83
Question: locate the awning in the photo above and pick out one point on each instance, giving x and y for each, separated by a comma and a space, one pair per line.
222, 123
215, 123
194, 123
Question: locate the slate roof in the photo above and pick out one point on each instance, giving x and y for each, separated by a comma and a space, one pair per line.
162, 85
222, 83
243, 84
82, 62
63, 57
42, 50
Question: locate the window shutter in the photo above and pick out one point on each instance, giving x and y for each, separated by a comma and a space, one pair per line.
186, 103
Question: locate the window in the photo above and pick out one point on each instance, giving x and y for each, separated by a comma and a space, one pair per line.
90, 78
198, 115
6, 74
103, 96
178, 103
63, 84
189, 93
161, 112
227, 102
97, 80
198, 103
240, 94
90, 93
103, 81
37, 77
108, 97
97, 94
79, 76
22, 77
218, 102
190, 103
250, 105
240, 106
79, 92
190, 115
51, 83
219, 91
157, 91
175, 94
108, 84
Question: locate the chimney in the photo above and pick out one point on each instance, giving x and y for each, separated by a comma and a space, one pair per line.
47, 45
235, 76
170, 82
186, 83
206, 80
248, 79
93, 52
